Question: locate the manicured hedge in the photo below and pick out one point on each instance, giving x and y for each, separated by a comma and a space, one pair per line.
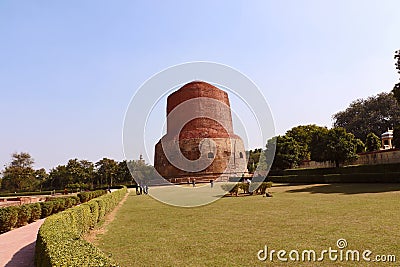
390, 177
59, 241
36, 211
382, 173
86, 196
378, 168
8, 218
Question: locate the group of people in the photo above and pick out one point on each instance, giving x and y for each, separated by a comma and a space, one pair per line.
142, 189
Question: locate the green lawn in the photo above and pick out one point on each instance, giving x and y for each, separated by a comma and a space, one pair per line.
230, 231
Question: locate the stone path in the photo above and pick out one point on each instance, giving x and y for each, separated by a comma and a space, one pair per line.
17, 247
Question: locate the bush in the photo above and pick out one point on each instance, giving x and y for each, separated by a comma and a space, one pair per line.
47, 208
59, 241
35, 212
24, 215
86, 196
102, 208
94, 210
258, 187
245, 187
75, 200
69, 202
232, 189
8, 218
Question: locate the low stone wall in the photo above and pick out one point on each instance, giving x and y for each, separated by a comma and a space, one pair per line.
310, 164
367, 158
378, 157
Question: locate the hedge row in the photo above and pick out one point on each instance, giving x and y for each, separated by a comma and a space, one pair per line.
16, 216
260, 188
86, 196
388, 177
59, 240
379, 168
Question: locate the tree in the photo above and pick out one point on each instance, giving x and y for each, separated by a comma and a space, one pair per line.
123, 173
107, 170
19, 174
372, 142
253, 158
287, 153
396, 137
58, 178
375, 114
304, 135
77, 172
360, 146
341, 146
396, 89
318, 145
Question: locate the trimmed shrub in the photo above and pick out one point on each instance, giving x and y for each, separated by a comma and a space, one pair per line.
245, 187
35, 212
102, 208
94, 210
69, 202
24, 215
75, 200
61, 203
262, 189
86, 196
232, 189
8, 218
59, 241
47, 208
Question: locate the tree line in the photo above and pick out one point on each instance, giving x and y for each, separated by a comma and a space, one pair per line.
20, 175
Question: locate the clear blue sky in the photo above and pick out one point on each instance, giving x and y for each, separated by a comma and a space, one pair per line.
68, 69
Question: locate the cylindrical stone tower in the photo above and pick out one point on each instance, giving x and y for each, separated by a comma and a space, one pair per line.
200, 143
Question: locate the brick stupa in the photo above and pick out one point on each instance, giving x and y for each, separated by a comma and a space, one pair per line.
199, 124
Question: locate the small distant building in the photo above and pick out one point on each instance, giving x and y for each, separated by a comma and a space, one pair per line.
141, 160
387, 138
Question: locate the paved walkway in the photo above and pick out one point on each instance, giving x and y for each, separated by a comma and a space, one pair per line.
17, 247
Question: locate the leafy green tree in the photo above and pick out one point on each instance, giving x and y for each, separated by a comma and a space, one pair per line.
304, 135
360, 146
372, 143
396, 89
396, 137
19, 175
341, 146
375, 114
58, 178
42, 176
107, 170
79, 171
288, 153
318, 145
253, 158
75, 172
124, 176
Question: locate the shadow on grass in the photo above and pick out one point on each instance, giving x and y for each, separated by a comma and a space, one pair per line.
356, 188
24, 257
